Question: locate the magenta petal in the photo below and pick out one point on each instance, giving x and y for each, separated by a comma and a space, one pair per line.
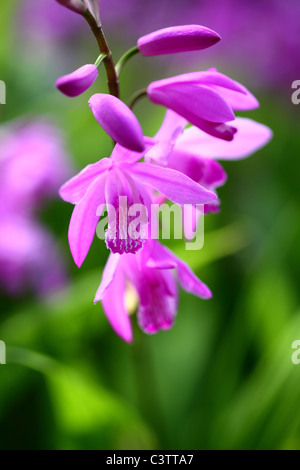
74, 189
238, 101
187, 279
177, 39
204, 171
84, 220
77, 82
113, 303
190, 282
251, 136
171, 183
220, 130
170, 130
191, 101
123, 155
118, 121
158, 300
107, 276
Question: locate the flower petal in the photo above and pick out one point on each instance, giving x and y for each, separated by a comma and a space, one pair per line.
74, 189
204, 171
192, 101
113, 303
118, 121
84, 220
251, 136
170, 130
107, 276
177, 39
77, 82
123, 155
190, 282
187, 279
171, 183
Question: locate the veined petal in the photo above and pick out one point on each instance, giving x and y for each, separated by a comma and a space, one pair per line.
177, 39
113, 302
158, 300
74, 189
84, 220
251, 136
118, 121
171, 183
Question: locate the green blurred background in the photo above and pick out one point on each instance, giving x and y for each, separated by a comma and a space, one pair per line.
223, 377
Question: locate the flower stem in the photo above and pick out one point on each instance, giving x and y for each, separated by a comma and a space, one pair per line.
137, 97
124, 59
112, 77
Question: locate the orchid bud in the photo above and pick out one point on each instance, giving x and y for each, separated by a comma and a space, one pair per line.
94, 7
77, 82
118, 121
75, 5
177, 39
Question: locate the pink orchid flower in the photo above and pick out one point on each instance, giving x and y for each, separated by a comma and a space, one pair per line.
205, 99
195, 153
121, 176
152, 274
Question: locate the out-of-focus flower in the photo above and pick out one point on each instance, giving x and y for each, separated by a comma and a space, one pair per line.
46, 19
205, 99
29, 257
109, 180
177, 39
33, 164
77, 82
152, 274
118, 121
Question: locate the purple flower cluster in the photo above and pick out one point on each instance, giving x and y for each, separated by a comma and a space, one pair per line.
33, 164
252, 30
178, 164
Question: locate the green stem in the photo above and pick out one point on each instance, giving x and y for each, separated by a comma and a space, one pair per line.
112, 77
125, 58
137, 97
99, 60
